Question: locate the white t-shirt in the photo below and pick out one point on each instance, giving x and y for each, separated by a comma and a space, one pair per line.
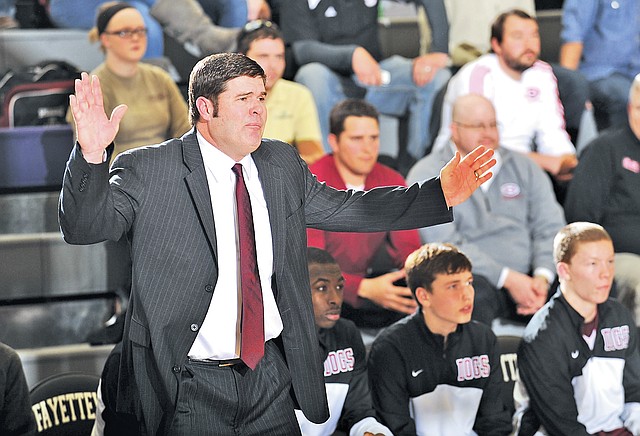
527, 110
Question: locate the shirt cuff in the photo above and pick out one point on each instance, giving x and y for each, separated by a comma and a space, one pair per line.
502, 278
544, 272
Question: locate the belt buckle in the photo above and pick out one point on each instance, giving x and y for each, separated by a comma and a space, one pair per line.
225, 364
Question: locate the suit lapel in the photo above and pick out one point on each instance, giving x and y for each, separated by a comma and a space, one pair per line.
197, 184
272, 186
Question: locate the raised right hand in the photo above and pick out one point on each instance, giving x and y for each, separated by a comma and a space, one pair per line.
93, 129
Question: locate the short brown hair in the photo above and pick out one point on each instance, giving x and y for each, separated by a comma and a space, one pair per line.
210, 75
567, 240
497, 28
432, 259
350, 107
257, 29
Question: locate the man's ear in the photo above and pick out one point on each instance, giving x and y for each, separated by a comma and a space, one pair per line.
423, 296
455, 136
495, 46
333, 142
562, 269
205, 108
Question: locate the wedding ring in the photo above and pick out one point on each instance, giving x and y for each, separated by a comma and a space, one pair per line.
476, 174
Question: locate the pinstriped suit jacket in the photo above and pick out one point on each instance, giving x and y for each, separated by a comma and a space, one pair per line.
159, 197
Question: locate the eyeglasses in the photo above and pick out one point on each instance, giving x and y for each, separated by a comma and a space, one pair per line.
254, 25
129, 33
478, 127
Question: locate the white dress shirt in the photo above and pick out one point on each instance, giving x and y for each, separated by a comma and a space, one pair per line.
218, 337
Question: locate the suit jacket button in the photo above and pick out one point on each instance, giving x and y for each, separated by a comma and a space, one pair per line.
208, 288
176, 369
194, 327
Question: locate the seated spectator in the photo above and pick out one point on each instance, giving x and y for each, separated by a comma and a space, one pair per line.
354, 138
523, 91
579, 362
507, 226
605, 191
293, 117
182, 19
470, 37
602, 40
156, 109
16, 417
345, 366
336, 46
436, 371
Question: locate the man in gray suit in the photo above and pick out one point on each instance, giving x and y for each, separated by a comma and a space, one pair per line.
181, 371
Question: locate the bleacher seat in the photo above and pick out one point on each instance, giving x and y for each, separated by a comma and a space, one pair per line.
34, 157
21, 47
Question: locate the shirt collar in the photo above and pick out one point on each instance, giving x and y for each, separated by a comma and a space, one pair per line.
219, 164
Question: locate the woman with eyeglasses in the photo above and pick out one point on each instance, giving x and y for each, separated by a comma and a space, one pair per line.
183, 20
157, 110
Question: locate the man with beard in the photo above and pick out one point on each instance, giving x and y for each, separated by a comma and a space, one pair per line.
524, 92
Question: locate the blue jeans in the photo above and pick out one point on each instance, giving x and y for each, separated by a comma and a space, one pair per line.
609, 96
7, 8
226, 13
401, 97
81, 14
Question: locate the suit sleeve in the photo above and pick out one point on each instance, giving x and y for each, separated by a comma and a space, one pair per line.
389, 388
377, 210
94, 208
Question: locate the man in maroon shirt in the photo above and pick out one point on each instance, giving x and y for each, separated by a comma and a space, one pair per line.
368, 301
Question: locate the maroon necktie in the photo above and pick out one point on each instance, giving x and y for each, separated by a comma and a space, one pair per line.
252, 326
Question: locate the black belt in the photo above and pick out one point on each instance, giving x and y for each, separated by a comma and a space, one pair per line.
218, 363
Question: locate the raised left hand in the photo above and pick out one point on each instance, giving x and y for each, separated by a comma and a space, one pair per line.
461, 176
